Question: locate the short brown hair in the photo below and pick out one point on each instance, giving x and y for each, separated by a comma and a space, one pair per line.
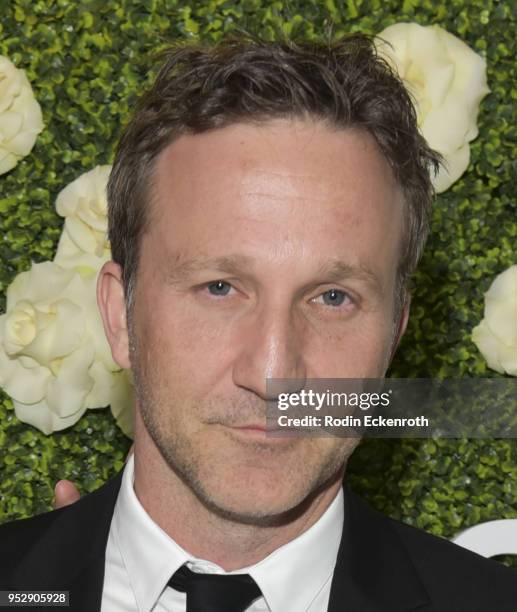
205, 87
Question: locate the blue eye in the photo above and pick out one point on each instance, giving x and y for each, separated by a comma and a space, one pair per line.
334, 297
219, 288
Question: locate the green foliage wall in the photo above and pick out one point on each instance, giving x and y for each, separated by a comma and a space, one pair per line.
88, 60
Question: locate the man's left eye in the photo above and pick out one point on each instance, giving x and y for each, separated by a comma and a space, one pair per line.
219, 288
334, 297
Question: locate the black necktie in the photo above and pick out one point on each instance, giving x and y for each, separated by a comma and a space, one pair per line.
215, 592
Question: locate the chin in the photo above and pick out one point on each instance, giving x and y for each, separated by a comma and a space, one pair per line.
255, 497
259, 512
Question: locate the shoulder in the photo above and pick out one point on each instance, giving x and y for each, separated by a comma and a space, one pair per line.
454, 577
19, 536
58, 537
441, 562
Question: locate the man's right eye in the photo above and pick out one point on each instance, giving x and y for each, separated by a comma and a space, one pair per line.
219, 288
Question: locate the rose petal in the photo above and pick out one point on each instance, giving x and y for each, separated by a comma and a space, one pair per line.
488, 346
81, 234
508, 359
504, 285
7, 161
44, 281
11, 83
50, 342
10, 124
24, 384
445, 128
20, 115
67, 392
455, 166
21, 143
103, 381
122, 402
501, 318
69, 255
85, 198
39, 415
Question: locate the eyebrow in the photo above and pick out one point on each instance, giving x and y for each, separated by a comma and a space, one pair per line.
338, 270
229, 264
236, 264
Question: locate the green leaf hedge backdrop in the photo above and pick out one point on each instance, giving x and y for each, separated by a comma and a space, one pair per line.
87, 62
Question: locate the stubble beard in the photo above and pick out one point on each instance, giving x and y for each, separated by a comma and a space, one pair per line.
182, 457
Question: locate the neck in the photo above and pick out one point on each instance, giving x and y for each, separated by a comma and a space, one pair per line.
177, 510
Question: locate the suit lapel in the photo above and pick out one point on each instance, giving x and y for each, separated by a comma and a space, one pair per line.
69, 554
86, 588
374, 572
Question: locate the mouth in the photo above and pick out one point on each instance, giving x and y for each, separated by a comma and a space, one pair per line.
256, 430
259, 427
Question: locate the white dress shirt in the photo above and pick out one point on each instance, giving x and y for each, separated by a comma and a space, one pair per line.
141, 558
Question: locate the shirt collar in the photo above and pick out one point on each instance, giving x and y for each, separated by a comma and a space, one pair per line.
151, 556
308, 562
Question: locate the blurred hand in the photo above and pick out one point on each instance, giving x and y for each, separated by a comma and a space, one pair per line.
66, 493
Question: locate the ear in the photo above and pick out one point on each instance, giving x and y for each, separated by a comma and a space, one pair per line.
400, 325
112, 306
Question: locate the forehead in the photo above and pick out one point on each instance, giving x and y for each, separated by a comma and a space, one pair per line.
281, 185
324, 158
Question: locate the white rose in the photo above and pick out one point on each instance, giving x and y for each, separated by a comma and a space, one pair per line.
20, 115
496, 335
121, 403
447, 81
55, 361
84, 240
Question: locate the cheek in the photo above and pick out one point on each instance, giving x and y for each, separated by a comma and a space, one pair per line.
356, 349
178, 344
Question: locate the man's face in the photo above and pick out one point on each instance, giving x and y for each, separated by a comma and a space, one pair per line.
271, 253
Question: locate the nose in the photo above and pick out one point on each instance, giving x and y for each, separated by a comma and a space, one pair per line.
271, 346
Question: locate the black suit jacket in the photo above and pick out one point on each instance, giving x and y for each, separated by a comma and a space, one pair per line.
382, 565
